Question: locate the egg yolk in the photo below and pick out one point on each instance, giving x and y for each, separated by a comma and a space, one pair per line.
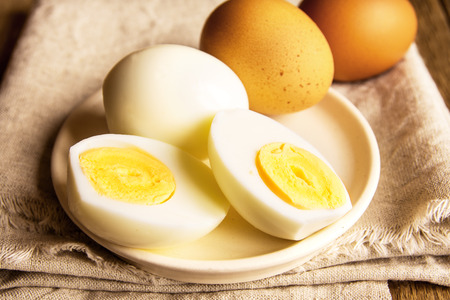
299, 177
128, 174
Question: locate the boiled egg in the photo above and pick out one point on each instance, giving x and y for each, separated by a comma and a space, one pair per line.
142, 193
273, 178
170, 93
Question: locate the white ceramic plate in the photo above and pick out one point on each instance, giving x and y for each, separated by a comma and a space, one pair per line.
235, 251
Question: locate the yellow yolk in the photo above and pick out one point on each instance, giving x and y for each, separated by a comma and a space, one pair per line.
299, 177
128, 174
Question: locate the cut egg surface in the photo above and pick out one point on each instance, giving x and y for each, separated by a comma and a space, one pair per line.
274, 179
142, 193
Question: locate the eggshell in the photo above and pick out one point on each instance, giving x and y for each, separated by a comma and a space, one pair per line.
278, 52
366, 37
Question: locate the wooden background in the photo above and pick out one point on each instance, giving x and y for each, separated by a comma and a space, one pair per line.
433, 40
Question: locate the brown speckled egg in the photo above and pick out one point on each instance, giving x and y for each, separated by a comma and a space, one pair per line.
278, 52
366, 37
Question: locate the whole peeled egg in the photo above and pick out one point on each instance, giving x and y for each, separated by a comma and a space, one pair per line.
366, 37
279, 53
170, 93
274, 179
142, 193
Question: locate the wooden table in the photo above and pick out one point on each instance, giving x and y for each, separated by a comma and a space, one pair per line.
433, 40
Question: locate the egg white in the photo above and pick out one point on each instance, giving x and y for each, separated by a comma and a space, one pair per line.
170, 93
195, 209
234, 140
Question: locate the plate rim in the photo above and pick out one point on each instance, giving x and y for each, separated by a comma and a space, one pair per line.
211, 271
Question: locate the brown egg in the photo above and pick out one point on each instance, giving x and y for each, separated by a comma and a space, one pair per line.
366, 37
277, 51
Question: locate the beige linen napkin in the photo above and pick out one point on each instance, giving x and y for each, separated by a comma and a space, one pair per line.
67, 48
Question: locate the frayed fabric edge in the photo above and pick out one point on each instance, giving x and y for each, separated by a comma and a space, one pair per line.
20, 256
361, 243
438, 210
407, 240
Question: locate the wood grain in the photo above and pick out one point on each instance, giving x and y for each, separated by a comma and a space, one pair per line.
433, 40
406, 290
13, 14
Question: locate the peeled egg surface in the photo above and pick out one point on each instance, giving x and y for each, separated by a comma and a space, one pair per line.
170, 93
142, 193
240, 140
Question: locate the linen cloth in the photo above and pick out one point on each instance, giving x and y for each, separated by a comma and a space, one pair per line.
65, 51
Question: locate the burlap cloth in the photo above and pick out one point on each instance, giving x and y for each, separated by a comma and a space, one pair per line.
65, 51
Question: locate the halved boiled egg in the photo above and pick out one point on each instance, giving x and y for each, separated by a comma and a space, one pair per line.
273, 178
142, 193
